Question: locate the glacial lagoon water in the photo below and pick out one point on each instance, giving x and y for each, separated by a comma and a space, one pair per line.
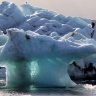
79, 90
87, 90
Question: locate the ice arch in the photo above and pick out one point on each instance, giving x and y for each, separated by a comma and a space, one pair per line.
40, 60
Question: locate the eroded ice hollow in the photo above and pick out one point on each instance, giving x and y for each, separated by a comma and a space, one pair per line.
38, 45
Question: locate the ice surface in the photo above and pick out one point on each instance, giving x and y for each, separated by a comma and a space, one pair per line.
76, 22
10, 12
3, 39
37, 17
28, 9
38, 45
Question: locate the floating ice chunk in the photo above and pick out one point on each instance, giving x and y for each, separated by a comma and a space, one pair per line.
52, 57
39, 55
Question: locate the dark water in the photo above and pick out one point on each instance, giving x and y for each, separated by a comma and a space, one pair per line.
79, 90
86, 90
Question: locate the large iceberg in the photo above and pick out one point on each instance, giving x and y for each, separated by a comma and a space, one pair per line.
37, 45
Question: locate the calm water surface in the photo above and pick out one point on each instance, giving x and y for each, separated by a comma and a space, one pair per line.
79, 90
86, 90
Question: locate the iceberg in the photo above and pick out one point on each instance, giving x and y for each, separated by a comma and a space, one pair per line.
48, 54
38, 45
